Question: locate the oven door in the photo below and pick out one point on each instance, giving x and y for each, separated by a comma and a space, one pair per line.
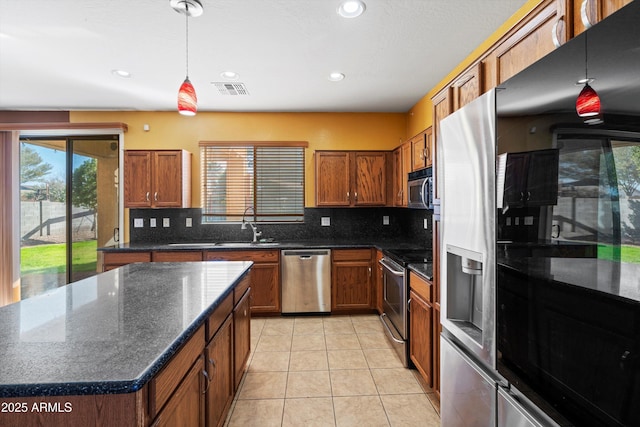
394, 291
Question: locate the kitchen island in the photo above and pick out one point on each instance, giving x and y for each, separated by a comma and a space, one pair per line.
125, 347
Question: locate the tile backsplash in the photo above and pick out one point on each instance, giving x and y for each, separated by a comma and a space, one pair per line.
356, 224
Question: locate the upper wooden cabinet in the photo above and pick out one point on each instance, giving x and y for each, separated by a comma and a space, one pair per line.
589, 12
401, 168
157, 179
468, 86
352, 178
422, 150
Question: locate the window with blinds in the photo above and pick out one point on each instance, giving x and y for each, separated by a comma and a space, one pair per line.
265, 176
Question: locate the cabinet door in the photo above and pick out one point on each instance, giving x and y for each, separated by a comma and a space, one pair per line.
467, 87
437, 330
397, 177
542, 178
185, 408
589, 12
370, 179
167, 179
241, 337
420, 340
441, 109
419, 149
379, 280
428, 146
332, 178
219, 364
351, 285
137, 179
265, 287
515, 179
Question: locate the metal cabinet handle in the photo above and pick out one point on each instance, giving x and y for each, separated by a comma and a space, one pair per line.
147, 196
206, 375
155, 196
427, 153
356, 196
348, 198
213, 363
409, 305
554, 34
584, 15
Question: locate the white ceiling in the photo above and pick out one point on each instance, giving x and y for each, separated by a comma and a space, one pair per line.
60, 54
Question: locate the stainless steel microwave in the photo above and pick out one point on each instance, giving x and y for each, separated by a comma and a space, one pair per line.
420, 189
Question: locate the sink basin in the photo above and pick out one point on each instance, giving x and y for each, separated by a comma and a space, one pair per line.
193, 245
246, 244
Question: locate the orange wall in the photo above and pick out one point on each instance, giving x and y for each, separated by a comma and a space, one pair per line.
323, 131
420, 116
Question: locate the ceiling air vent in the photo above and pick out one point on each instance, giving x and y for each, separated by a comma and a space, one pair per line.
231, 88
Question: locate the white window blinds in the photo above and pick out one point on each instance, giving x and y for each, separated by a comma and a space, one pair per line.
264, 175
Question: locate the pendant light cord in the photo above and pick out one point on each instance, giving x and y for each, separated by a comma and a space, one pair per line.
586, 61
186, 14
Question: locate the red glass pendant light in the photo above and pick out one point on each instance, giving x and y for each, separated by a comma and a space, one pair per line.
187, 99
588, 102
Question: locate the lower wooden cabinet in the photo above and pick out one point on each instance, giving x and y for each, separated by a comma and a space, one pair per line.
219, 366
351, 280
265, 277
421, 318
111, 260
241, 337
185, 407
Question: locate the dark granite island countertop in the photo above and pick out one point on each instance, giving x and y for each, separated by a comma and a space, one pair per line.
108, 334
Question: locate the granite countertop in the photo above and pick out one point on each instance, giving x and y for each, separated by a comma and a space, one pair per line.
616, 279
109, 333
423, 269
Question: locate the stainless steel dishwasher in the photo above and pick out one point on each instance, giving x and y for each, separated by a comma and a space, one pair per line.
306, 281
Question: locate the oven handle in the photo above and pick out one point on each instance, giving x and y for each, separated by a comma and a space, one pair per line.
391, 269
391, 335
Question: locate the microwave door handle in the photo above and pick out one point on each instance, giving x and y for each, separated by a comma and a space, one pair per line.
423, 192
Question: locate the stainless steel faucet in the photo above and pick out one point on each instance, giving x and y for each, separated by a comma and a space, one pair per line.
254, 227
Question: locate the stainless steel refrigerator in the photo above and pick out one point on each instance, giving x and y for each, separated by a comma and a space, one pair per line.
466, 180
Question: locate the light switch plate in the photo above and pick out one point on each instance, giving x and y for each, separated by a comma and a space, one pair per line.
189, 222
325, 221
426, 224
528, 220
152, 223
138, 222
385, 220
166, 222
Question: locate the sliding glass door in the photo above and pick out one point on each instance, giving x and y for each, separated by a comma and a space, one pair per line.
68, 208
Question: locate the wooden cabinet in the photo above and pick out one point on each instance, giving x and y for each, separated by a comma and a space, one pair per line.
111, 260
265, 277
351, 280
379, 282
219, 365
401, 168
186, 406
241, 337
422, 150
421, 325
531, 178
589, 12
352, 178
176, 256
467, 86
157, 179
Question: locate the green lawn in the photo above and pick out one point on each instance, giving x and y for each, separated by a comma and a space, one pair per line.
628, 253
52, 258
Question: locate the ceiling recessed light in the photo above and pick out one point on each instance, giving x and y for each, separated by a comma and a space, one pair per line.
351, 8
336, 77
229, 75
121, 73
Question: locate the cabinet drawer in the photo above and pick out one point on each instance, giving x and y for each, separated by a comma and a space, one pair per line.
255, 256
217, 317
241, 288
177, 256
126, 257
163, 385
351, 254
420, 286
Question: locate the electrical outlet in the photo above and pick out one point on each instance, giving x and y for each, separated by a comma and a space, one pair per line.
508, 221
325, 221
528, 220
426, 224
516, 221
189, 222
138, 222
166, 222
152, 223
385, 220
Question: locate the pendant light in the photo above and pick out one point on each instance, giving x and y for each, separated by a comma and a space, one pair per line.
187, 99
588, 102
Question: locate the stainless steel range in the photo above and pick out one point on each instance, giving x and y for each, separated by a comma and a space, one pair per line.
395, 316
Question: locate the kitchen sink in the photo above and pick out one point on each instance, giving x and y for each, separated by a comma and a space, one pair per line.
193, 245
246, 244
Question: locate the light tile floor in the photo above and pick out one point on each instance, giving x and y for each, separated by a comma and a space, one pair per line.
328, 371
